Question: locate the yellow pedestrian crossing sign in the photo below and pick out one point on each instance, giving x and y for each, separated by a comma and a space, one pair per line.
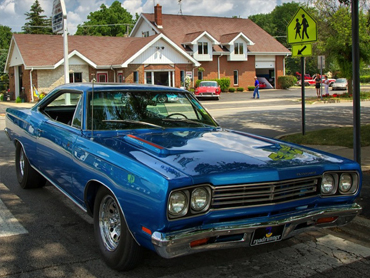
302, 28
301, 50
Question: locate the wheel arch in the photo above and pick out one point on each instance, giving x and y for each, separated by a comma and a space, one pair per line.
91, 190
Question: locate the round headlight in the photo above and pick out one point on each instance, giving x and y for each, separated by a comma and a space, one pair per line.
178, 204
328, 184
199, 199
345, 183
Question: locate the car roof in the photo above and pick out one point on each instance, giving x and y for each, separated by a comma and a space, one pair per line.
87, 86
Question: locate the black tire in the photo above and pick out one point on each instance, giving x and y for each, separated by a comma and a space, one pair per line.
117, 246
28, 177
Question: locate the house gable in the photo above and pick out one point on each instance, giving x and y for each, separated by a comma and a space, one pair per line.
160, 53
143, 28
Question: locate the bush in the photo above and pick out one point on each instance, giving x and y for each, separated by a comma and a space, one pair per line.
240, 89
251, 88
1, 97
365, 79
231, 90
287, 81
224, 84
18, 100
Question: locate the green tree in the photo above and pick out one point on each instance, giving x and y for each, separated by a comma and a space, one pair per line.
275, 23
114, 21
336, 35
37, 23
5, 38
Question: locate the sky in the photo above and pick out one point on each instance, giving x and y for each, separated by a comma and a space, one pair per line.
12, 12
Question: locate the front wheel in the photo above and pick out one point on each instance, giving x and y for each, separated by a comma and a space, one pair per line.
117, 246
27, 176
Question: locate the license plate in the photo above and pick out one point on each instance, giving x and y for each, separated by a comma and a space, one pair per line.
267, 235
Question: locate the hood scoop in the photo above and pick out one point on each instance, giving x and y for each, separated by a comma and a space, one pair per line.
153, 147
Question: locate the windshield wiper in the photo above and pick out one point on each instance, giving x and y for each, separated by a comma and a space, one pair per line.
185, 121
132, 122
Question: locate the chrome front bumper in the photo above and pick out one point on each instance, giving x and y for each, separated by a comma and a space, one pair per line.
177, 243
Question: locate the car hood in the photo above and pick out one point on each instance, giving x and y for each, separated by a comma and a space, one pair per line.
221, 152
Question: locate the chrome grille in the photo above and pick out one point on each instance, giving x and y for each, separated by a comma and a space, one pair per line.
264, 193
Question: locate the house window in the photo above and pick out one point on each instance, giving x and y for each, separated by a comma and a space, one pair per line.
182, 78
102, 77
200, 75
202, 47
239, 48
120, 77
149, 77
236, 77
136, 77
145, 34
75, 77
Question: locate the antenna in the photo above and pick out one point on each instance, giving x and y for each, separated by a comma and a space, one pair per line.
92, 110
180, 12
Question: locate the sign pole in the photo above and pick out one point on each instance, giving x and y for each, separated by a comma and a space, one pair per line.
59, 23
66, 61
356, 83
303, 95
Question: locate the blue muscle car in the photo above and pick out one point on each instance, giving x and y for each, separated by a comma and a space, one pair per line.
165, 176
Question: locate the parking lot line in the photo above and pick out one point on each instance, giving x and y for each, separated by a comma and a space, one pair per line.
9, 225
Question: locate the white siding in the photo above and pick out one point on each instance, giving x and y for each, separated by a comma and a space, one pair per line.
16, 59
144, 27
238, 57
203, 57
160, 53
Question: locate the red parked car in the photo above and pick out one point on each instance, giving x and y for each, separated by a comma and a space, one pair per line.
208, 89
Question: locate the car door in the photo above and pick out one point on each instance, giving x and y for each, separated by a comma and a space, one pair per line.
57, 134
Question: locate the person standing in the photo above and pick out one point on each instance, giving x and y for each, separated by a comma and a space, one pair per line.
317, 85
326, 85
256, 86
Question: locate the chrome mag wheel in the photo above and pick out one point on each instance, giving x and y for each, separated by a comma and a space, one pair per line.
110, 223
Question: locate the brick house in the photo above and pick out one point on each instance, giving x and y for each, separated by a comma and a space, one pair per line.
161, 49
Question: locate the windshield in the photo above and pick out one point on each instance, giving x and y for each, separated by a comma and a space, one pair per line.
112, 110
208, 84
340, 80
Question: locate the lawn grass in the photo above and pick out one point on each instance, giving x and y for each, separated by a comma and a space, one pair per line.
334, 137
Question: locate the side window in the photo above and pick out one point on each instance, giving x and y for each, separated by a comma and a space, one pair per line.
77, 117
62, 108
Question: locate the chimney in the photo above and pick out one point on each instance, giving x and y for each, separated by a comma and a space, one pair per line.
158, 16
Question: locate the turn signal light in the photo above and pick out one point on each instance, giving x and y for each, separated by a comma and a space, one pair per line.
326, 220
199, 242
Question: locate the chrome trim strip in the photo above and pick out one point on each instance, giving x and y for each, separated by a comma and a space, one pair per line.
175, 244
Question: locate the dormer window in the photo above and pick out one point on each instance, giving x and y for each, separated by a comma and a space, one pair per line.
238, 48
202, 47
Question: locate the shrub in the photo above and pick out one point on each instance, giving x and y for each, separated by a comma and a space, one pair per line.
240, 89
18, 100
224, 84
231, 90
365, 79
251, 88
1, 97
287, 81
